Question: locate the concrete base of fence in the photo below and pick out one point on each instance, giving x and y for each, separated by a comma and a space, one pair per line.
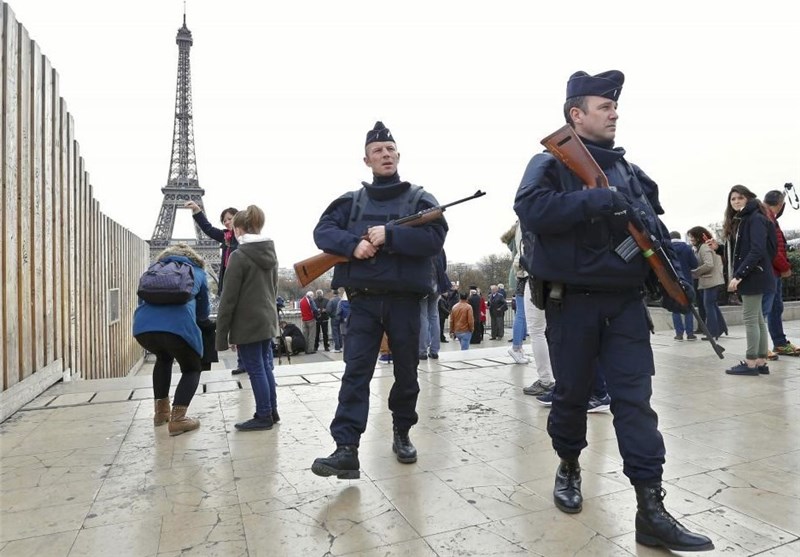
17, 396
662, 319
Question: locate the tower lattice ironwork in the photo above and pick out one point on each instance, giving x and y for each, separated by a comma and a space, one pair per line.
183, 184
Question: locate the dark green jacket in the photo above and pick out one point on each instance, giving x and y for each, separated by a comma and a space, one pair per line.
247, 310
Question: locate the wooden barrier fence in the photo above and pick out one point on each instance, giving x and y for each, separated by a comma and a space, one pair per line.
69, 272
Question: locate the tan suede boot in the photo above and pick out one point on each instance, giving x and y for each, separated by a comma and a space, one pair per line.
162, 411
180, 423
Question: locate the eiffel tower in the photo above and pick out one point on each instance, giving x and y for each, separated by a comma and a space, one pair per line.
182, 184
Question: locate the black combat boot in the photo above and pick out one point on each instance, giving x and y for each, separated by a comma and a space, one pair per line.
343, 464
567, 491
403, 448
656, 527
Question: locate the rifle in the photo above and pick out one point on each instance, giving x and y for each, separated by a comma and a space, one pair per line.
565, 145
309, 269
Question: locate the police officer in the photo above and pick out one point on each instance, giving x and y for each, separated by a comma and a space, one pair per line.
595, 309
389, 272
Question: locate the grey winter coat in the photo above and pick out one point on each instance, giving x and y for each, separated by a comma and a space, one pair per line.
247, 310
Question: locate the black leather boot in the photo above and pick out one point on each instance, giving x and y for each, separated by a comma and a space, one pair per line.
567, 491
403, 448
656, 527
343, 464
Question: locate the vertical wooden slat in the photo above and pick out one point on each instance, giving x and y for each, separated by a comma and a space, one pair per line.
105, 260
25, 172
97, 331
35, 225
80, 262
47, 317
72, 294
57, 223
9, 163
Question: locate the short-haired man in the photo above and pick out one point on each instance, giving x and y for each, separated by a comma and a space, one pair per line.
462, 321
389, 272
601, 316
772, 303
308, 315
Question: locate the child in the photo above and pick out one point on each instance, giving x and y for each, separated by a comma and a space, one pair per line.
248, 315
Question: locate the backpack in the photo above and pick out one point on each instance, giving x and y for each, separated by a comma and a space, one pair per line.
167, 282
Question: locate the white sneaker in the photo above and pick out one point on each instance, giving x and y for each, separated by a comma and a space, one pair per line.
337, 351
518, 355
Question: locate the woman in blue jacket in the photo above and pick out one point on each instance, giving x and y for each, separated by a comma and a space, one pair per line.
171, 332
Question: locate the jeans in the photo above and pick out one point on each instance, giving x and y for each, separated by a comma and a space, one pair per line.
678, 322
337, 334
429, 333
518, 331
259, 364
464, 338
772, 307
714, 319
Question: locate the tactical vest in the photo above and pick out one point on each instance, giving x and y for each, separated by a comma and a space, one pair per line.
387, 270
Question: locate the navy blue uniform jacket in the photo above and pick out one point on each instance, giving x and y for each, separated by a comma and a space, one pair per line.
403, 263
574, 243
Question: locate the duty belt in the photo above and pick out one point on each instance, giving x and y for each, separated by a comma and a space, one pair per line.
382, 293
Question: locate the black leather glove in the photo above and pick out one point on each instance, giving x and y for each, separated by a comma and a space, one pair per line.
620, 216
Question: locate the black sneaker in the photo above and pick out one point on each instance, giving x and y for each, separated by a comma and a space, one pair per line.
238, 371
743, 369
433, 356
423, 356
691, 337
678, 337
763, 369
343, 464
255, 424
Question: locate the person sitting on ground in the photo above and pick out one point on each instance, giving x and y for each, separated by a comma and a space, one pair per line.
293, 338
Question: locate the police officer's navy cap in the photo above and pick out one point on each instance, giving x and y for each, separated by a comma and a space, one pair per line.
379, 133
606, 84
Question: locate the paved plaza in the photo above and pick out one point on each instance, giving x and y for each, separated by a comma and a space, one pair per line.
84, 472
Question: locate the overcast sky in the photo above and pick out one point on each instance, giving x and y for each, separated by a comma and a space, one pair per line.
284, 93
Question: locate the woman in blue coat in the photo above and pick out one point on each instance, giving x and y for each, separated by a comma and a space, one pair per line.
171, 332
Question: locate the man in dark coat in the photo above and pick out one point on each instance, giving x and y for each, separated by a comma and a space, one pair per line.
389, 271
594, 308
683, 322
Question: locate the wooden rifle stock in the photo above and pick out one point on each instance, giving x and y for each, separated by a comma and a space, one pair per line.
565, 145
310, 269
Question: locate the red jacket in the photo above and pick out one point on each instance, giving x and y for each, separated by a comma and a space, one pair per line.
780, 263
307, 309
